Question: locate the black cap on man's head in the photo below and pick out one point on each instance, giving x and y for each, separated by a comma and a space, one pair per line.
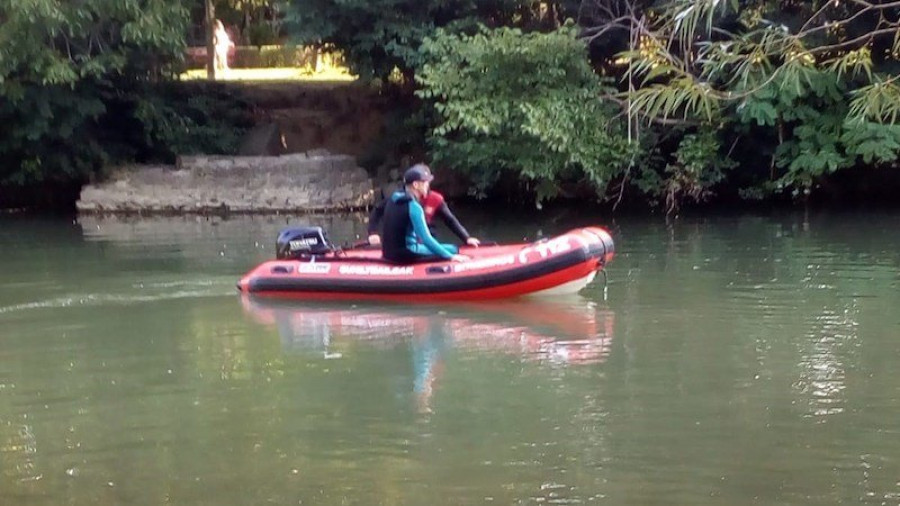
418, 172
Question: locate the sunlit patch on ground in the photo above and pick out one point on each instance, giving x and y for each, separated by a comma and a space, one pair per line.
274, 74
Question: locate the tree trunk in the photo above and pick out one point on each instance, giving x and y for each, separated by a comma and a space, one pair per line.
210, 40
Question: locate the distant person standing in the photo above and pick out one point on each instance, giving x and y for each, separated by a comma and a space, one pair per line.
223, 44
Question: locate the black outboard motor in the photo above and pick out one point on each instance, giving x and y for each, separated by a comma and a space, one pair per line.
301, 243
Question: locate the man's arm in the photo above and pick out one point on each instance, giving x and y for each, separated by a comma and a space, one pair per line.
454, 225
417, 216
452, 222
375, 216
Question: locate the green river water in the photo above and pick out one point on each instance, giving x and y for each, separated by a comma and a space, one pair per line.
729, 360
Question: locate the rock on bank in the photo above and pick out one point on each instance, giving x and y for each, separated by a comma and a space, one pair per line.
300, 182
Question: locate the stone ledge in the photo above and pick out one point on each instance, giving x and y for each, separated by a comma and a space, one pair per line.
294, 183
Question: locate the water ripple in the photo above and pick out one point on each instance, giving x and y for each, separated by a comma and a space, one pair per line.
105, 299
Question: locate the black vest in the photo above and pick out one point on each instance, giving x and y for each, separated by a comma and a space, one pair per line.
396, 225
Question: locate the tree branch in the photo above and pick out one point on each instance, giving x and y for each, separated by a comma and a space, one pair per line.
853, 42
867, 7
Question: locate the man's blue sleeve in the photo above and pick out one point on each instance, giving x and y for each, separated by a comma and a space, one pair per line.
417, 216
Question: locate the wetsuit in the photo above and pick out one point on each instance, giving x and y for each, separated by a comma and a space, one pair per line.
406, 237
434, 205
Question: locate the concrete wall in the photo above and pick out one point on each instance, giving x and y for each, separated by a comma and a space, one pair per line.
291, 183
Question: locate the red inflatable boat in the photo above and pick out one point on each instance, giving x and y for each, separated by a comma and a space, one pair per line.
308, 267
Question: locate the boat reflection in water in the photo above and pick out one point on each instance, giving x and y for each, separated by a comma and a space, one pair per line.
564, 332
573, 331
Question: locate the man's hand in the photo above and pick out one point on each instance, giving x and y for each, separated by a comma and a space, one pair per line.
471, 241
374, 239
460, 258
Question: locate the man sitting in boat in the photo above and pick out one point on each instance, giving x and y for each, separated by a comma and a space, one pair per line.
406, 237
434, 205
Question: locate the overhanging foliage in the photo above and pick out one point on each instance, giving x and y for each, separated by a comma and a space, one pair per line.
816, 79
80, 87
524, 103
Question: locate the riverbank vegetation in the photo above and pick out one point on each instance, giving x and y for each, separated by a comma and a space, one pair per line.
654, 104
